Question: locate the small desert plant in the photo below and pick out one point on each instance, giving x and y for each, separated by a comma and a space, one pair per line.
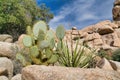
72, 57
116, 55
104, 54
39, 42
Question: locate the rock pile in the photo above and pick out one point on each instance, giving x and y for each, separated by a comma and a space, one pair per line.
104, 34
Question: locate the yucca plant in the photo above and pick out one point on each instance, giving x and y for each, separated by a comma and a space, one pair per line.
72, 57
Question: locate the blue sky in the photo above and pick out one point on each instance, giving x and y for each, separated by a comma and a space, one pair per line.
79, 13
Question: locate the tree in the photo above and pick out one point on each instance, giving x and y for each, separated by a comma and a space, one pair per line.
16, 15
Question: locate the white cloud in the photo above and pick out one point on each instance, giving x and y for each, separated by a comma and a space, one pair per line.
81, 11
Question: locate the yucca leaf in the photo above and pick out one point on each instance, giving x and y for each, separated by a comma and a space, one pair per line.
69, 57
75, 52
78, 56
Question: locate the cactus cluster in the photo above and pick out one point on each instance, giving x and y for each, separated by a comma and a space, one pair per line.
40, 41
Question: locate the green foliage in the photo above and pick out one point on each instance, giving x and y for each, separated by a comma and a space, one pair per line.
21, 58
39, 26
27, 41
40, 48
60, 32
72, 57
116, 55
78, 58
43, 50
15, 15
104, 54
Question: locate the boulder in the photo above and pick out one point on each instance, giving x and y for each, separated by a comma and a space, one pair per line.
107, 22
116, 42
117, 2
7, 64
117, 22
17, 77
3, 71
75, 32
20, 42
116, 11
36, 72
104, 29
98, 42
106, 47
6, 38
113, 25
93, 36
115, 65
74, 28
117, 31
83, 34
68, 31
89, 29
104, 64
3, 78
106, 26
107, 39
8, 49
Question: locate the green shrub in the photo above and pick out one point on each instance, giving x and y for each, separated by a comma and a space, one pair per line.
116, 55
104, 54
15, 15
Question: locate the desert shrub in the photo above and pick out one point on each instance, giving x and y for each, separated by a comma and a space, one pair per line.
116, 55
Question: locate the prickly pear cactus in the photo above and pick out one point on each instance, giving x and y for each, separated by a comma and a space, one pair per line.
40, 42
41, 25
